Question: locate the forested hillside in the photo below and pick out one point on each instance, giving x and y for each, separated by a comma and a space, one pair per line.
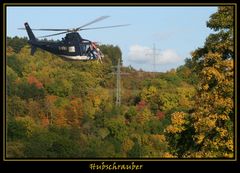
66, 109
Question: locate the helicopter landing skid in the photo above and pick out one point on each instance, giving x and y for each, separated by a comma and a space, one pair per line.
76, 57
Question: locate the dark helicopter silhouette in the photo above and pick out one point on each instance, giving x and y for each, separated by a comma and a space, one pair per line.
72, 46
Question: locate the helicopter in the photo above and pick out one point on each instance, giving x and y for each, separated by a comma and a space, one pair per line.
72, 46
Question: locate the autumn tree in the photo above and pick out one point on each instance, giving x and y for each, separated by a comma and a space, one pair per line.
179, 134
74, 112
214, 115
49, 108
211, 123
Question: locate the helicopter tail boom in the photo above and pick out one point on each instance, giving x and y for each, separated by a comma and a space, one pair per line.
29, 32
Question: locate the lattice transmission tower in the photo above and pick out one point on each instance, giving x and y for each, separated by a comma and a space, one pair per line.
154, 54
118, 85
118, 90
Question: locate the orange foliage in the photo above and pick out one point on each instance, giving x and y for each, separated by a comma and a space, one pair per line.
50, 99
74, 112
34, 81
60, 117
160, 115
141, 105
45, 121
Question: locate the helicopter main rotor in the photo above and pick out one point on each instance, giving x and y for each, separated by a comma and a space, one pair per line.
78, 28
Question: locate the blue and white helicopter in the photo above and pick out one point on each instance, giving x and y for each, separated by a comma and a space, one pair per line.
72, 46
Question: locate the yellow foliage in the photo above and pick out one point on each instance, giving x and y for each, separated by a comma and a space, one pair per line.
230, 145
148, 93
205, 87
205, 124
211, 72
168, 155
228, 155
144, 116
223, 132
178, 121
200, 138
178, 118
127, 145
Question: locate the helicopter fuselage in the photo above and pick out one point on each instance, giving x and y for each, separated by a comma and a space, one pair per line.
72, 47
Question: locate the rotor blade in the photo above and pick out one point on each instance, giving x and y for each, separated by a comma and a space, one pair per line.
45, 29
53, 34
51, 29
104, 27
94, 21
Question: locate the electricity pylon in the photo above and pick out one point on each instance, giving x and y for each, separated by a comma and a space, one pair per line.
154, 54
118, 86
118, 91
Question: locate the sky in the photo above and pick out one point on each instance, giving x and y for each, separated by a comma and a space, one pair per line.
174, 31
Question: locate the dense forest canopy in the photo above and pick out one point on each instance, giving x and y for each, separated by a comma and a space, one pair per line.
65, 109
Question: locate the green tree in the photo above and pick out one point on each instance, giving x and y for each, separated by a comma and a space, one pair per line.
60, 87
28, 90
16, 43
112, 53
16, 107
20, 128
117, 128
14, 63
11, 78
53, 142
186, 73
